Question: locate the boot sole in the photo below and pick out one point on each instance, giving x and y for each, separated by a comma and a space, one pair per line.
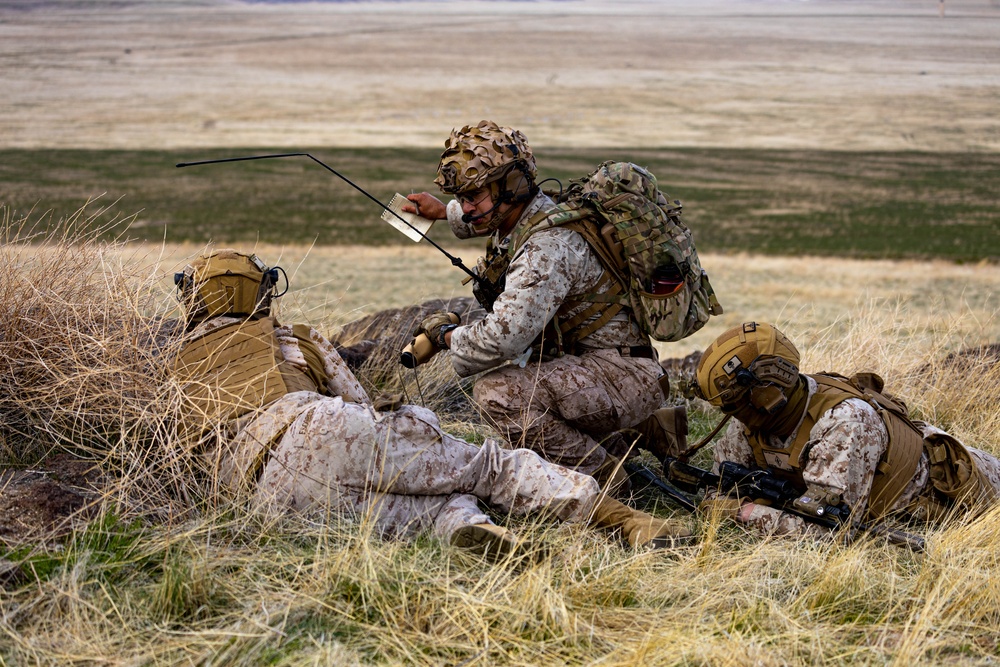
485, 542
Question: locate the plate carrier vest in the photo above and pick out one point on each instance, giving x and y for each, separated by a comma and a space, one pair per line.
899, 462
238, 368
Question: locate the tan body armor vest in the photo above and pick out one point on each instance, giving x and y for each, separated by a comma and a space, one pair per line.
897, 465
237, 369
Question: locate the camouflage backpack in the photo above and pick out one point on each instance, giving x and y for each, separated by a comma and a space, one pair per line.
638, 235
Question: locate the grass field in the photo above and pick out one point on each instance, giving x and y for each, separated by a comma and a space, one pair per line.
792, 203
838, 162
162, 570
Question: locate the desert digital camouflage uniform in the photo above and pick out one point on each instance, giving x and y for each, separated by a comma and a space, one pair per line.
310, 450
844, 447
561, 407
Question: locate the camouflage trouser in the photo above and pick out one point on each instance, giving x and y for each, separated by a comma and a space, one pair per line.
564, 407
402, 472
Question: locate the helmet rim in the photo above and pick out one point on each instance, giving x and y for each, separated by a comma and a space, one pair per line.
751, 364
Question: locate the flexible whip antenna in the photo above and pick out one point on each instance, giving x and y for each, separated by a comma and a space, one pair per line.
455, 261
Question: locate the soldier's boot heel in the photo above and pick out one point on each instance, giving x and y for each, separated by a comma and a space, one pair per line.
664, 433
490, 541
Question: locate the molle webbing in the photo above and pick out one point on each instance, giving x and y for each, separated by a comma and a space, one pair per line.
235, 370
576, 328
603, 306
896, 467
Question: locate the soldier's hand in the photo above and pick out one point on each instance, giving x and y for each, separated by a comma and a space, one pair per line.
426, 205
388, 402
727, 507
435, 327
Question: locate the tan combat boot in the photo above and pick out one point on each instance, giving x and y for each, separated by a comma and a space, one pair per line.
491, 541
664, 433
638, 528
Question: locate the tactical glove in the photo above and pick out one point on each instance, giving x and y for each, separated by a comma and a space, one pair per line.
388, 402
727, 507
436, 326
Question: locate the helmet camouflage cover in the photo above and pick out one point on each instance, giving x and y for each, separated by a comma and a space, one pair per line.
750, 363
477, 155
226, 282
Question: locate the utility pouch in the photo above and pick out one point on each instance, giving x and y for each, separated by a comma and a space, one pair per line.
954, 473
678, 314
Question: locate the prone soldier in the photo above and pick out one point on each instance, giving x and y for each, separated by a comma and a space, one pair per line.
294, 428
840, 441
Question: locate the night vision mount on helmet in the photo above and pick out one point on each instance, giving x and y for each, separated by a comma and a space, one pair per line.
751, 363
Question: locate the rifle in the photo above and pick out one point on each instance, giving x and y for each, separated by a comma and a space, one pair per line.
764, 485
652, 479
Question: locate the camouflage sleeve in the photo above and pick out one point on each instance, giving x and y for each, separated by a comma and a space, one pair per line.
340, 380
843, 449
540, 277
733, 446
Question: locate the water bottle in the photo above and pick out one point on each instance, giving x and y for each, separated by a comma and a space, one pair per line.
666, 279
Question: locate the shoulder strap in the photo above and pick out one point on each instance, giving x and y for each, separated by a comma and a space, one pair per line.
603, 306
896, 467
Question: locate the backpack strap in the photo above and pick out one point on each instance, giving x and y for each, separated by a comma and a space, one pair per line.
603, 305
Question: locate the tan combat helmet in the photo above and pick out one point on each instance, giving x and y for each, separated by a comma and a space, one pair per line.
227, 282
752, 364
488, 154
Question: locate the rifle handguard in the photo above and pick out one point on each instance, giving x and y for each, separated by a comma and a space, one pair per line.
686, 477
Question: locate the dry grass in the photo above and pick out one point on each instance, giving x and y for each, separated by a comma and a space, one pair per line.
166, 575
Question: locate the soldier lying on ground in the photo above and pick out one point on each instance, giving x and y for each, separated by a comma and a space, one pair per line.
299, 431
838, 439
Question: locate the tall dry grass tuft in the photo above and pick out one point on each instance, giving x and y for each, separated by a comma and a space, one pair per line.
939, 365
84, 328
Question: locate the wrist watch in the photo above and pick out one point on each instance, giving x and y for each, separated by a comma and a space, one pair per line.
445, 328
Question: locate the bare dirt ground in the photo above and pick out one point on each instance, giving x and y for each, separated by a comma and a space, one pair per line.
824, 74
